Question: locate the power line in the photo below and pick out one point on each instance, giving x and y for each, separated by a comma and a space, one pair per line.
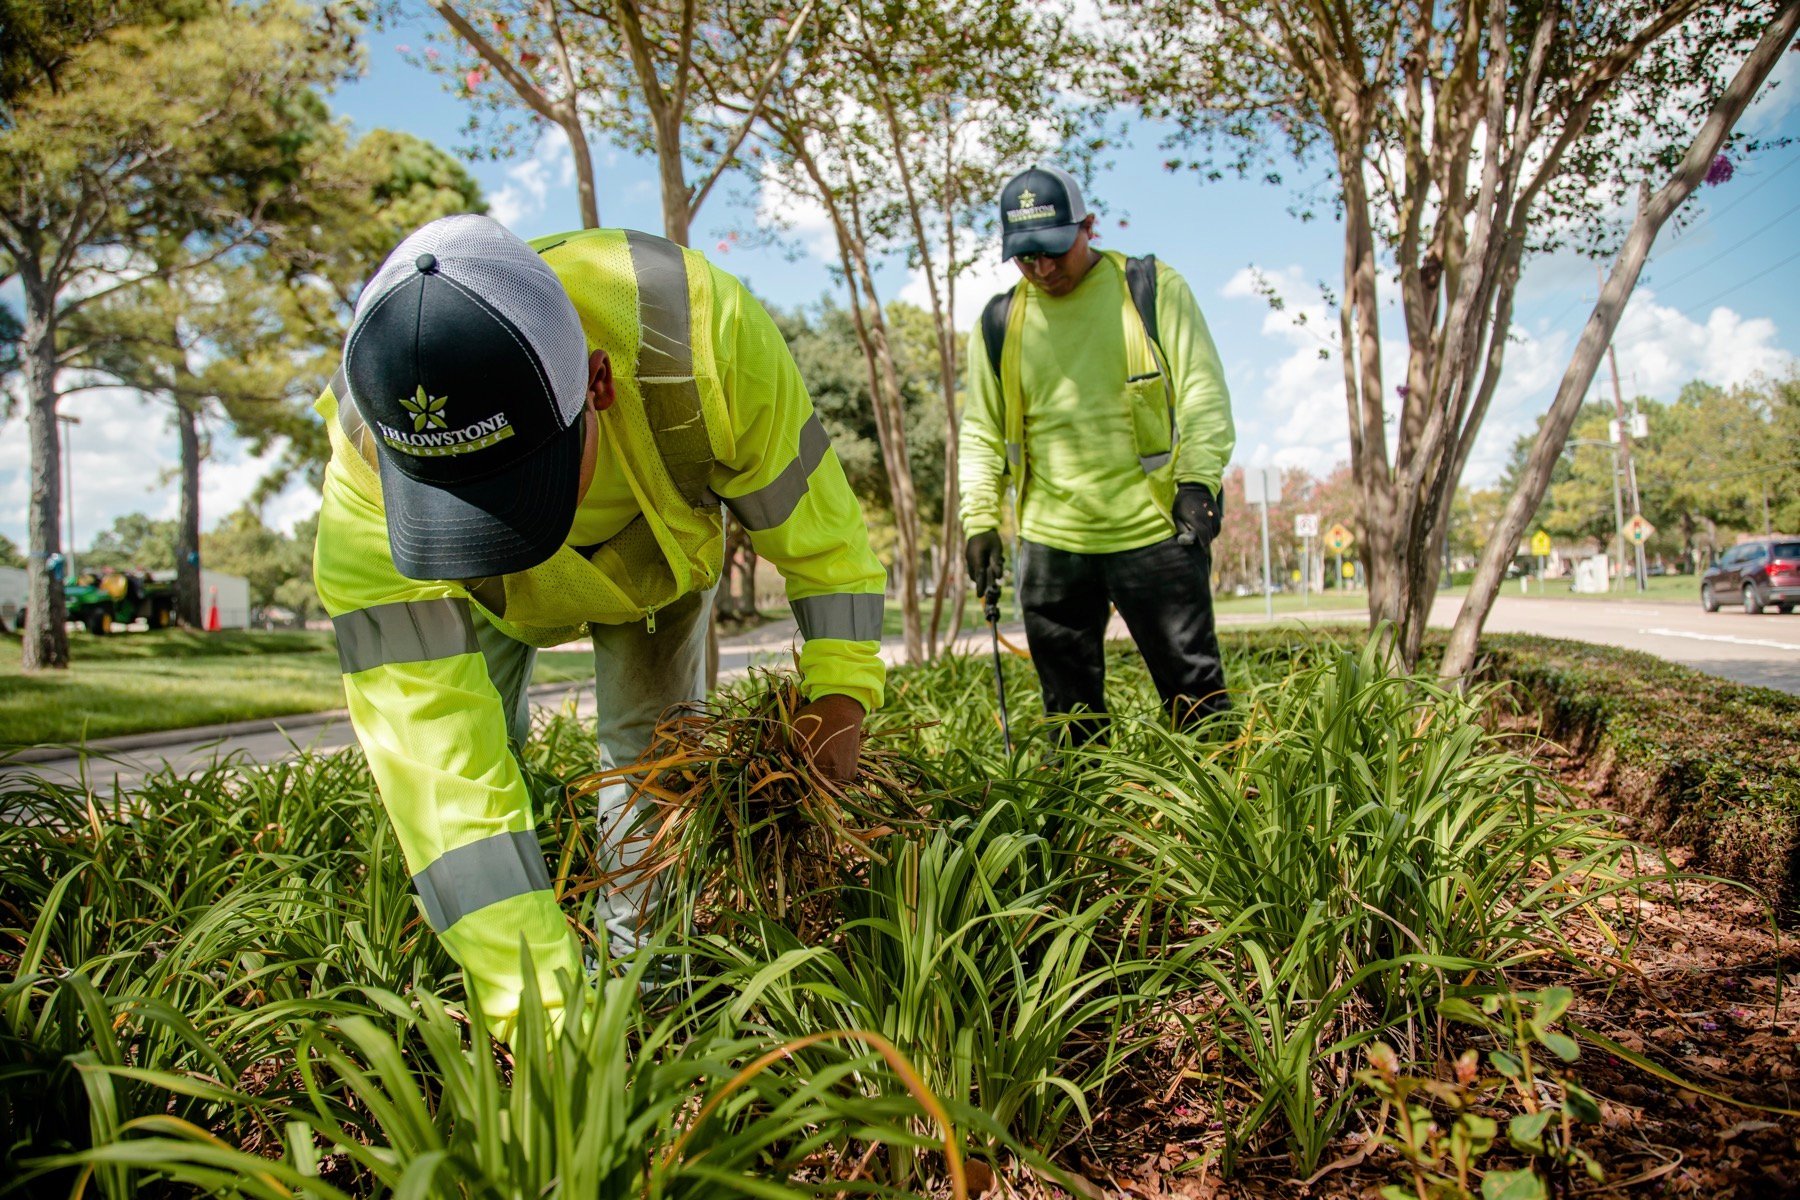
1702, 224
1734, 246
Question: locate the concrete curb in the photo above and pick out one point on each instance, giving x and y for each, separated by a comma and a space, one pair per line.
156, 739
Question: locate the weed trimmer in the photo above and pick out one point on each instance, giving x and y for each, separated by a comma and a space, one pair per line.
991, 606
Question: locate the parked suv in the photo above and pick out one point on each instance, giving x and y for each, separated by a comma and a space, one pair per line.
1757, 574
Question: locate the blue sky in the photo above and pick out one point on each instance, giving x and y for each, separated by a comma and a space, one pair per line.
1717, 300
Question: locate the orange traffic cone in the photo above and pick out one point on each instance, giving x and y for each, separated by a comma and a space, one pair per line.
212, 611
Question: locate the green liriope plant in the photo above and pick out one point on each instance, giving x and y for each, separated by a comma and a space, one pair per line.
229, 962
404, 1099
1370, 841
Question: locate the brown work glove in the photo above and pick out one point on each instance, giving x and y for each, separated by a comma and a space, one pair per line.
829, 731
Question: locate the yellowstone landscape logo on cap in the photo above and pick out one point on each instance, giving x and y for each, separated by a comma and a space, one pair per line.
1029, 209
428, 417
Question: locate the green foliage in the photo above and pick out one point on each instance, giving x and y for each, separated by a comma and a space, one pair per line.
135, 541
278, 565
1716, 464
9, 553
221, 982
1695, 761
825, 349
1440, 1129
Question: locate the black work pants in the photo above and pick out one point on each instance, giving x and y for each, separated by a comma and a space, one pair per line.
1164, 594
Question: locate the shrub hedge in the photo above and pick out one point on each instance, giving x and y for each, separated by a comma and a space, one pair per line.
1695, 761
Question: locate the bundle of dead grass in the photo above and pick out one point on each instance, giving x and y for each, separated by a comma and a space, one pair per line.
729, 814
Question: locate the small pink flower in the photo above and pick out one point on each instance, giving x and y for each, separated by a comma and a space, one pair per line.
724, 247
473, 78
1721, 171
432, 53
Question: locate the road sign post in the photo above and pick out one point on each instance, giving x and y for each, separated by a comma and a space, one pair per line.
1262, 485
1540, 548
1337, 540
1306, 528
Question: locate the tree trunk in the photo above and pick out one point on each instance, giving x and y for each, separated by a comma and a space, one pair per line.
46, 641
584, 168
1653, 213
677, 216
187, 527
890, 429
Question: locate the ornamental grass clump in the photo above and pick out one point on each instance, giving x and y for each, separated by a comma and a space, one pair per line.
728, 813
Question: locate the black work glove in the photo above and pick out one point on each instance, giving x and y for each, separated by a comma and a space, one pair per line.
985, 556
1198, 514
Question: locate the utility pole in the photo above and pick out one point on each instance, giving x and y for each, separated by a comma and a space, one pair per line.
1624, 465
68, 449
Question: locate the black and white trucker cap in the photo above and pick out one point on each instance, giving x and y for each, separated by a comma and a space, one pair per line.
1041, 212
468, 363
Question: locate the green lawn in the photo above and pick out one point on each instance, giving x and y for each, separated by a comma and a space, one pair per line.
1659, 587
138, 682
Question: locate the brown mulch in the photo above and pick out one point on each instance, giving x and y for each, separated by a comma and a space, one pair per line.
1709, 990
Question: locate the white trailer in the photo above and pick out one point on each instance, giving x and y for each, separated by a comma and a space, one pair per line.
12, 597
231, 593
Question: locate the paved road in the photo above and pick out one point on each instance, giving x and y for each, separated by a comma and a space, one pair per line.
1762, 650
770, 645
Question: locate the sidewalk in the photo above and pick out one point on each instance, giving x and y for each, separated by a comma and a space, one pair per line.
123, 760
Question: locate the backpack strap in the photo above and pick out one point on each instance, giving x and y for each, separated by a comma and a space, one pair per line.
993, 327
1140, 277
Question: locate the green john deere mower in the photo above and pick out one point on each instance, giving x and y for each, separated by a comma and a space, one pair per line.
102, 602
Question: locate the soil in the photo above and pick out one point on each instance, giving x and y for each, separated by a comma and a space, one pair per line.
1709, 991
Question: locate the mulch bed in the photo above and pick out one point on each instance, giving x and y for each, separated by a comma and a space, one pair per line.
1698, 995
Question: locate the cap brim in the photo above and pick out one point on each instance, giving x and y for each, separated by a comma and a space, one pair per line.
1053, 240
510, 521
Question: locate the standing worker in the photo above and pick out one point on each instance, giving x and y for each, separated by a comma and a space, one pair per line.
1094, 387
529, 445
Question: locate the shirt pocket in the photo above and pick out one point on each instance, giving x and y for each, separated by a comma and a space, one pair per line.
1152, 419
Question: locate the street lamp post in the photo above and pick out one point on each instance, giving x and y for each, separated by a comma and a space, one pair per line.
68, 471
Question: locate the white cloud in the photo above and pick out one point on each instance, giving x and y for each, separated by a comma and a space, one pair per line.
551, 163
988, 274
1289, 412
123, 457
1660, 350
786, 204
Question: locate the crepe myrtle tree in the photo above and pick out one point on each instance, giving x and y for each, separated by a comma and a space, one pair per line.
899, 124
624, 68
1457, 139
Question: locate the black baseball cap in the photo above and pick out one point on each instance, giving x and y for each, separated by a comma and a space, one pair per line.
468, 363
1041, 212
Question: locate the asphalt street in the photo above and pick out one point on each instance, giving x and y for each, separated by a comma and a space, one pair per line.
1762, 650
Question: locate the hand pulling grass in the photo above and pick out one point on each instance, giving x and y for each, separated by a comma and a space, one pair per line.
730, 813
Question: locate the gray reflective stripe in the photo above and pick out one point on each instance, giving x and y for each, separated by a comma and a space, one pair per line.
665, 368
662, 306
409, 631
1155, 462
854, 617
470, 878
350, 418
772, 503
1013, 452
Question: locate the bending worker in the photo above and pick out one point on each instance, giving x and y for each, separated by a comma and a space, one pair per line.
530, 444
1094, 389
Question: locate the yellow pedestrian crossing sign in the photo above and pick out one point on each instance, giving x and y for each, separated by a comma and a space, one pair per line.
1639, 530
1540, 543
1338, 539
